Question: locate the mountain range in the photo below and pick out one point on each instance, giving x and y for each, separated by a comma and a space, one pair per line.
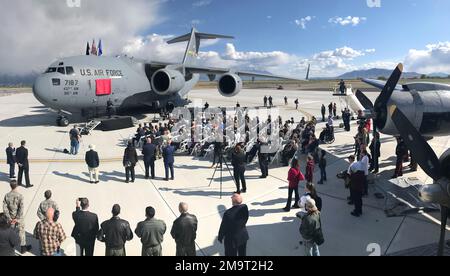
376, 73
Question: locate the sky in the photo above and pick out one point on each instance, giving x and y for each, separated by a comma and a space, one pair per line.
281, 37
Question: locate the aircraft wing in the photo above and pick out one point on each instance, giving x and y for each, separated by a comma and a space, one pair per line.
221, 71
379, 84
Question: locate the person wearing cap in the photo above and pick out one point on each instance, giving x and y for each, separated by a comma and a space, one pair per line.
115, 233
233, 230
93, 162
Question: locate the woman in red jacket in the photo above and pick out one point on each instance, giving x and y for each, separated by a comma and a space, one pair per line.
294, 177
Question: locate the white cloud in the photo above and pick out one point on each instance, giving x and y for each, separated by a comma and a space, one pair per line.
264, 58
269, 17
302, 21
435, 58
50, 29
343, 53
154, 47
201, 3
349, 20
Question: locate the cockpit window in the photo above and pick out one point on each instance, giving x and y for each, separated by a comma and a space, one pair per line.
61, 70
56, 82
51, 70
70, 71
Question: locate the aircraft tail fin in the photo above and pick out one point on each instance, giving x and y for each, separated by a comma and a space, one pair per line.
307, 72
194, 38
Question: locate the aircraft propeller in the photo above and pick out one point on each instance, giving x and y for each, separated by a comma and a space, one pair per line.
428, 161
380, 108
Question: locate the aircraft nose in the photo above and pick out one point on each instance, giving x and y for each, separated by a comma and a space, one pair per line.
41, 89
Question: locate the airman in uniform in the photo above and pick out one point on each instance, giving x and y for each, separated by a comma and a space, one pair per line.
13, 208
45, 205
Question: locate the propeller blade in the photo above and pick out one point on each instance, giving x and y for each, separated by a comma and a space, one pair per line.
389, 88
366, 102
444, 215
381, 103
420, 149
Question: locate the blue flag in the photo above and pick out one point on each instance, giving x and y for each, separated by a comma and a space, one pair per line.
100, 48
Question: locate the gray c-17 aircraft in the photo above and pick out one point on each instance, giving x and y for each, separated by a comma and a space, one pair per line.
86, 84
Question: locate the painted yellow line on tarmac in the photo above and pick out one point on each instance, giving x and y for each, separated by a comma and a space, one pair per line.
107, 160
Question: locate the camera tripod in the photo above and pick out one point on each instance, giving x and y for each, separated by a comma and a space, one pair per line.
220, 167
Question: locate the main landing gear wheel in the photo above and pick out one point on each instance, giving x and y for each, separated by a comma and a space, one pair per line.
62, 121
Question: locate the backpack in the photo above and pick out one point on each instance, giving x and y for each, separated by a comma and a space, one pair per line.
318, 235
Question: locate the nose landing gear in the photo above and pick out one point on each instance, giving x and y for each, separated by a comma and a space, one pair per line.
62, 121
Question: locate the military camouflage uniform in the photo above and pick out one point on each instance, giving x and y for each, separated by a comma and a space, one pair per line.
13, 209
44, 206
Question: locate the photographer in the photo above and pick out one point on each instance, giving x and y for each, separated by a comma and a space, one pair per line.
86, 227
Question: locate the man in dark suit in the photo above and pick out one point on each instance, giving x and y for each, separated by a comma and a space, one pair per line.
149, 152
86, 227
169, 159
93, 162
10, 160
24, 167
233, 228
238, 161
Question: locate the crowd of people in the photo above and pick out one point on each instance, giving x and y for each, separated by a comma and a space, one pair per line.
156, 142
114, 232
